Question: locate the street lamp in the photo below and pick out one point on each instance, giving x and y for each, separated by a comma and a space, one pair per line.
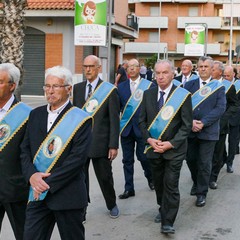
231, 33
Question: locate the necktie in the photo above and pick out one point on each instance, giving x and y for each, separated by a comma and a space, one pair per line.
161, 100
184, 80
203, 83
89, 90
133, 87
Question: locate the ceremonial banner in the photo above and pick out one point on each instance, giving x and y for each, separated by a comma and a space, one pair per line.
194, 40
90, 23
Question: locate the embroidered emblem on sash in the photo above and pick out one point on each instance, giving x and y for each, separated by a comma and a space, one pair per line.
4, 132
167, 112
52, 147
138, 94
92, 105
205, 91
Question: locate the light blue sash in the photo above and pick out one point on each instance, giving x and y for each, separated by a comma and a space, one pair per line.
98, 97
15, 118
237, 86
227, 84
203, 93
133, 103
178, 83
55, 143
167, 113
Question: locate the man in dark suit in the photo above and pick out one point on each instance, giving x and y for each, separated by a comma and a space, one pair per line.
104, 146
14, 189
187, 72
57, 183
169, 145
234, 120
231, 108
130, 133
210, 105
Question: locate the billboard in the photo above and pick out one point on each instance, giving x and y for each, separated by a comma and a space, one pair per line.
194, 39
90, 22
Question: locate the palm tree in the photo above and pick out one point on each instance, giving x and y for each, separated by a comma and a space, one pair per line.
12, 35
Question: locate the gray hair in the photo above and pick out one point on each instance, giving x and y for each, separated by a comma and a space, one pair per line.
60, 72
206, 58
220, 65
12, 71
165, 61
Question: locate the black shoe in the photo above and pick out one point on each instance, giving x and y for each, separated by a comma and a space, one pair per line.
201, 201
193, 190
151, 186
127, 194
158, 218
167, 229
213, 185
229, 169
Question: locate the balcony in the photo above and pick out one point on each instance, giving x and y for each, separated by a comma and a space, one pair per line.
212, 22
226, 22
212, 48
141, 47
153, 22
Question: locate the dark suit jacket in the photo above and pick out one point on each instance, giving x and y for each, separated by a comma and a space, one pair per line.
209, 111
234, 120
232, 109
178, 130
106, 121
67, 179
13, 186
124, 92
179, 78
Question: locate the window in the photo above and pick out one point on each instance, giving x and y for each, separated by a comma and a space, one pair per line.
153, 37
154, 11
193, 12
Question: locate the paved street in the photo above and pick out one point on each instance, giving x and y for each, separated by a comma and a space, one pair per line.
218, 220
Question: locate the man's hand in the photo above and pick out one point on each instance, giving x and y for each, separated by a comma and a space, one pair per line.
159, 146
197, 126
38, 184
112, 154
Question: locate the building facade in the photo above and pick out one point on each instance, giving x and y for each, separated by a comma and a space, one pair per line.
162, 28
49, 41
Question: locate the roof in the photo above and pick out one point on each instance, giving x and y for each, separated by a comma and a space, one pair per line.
50, 4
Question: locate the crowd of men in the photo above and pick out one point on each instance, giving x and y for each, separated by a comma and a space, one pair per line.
45, 152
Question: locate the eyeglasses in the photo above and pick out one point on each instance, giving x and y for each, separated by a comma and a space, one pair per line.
90, 66
54, 87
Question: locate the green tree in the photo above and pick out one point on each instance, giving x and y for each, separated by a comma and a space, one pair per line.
150, 62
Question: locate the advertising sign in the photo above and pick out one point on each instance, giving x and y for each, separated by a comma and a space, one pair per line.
90, 23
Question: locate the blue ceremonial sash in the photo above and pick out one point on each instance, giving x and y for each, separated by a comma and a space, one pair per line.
204, 92
133, 103
167, 113
227, 84
178, 83
15, 118
237, 86
55, 143
98, 97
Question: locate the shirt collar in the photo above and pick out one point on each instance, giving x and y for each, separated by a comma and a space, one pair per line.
58, 110
93, 83
8, 104
136, 81
207, 81
167, 90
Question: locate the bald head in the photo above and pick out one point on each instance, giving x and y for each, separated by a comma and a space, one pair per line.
186, 67
229, 73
